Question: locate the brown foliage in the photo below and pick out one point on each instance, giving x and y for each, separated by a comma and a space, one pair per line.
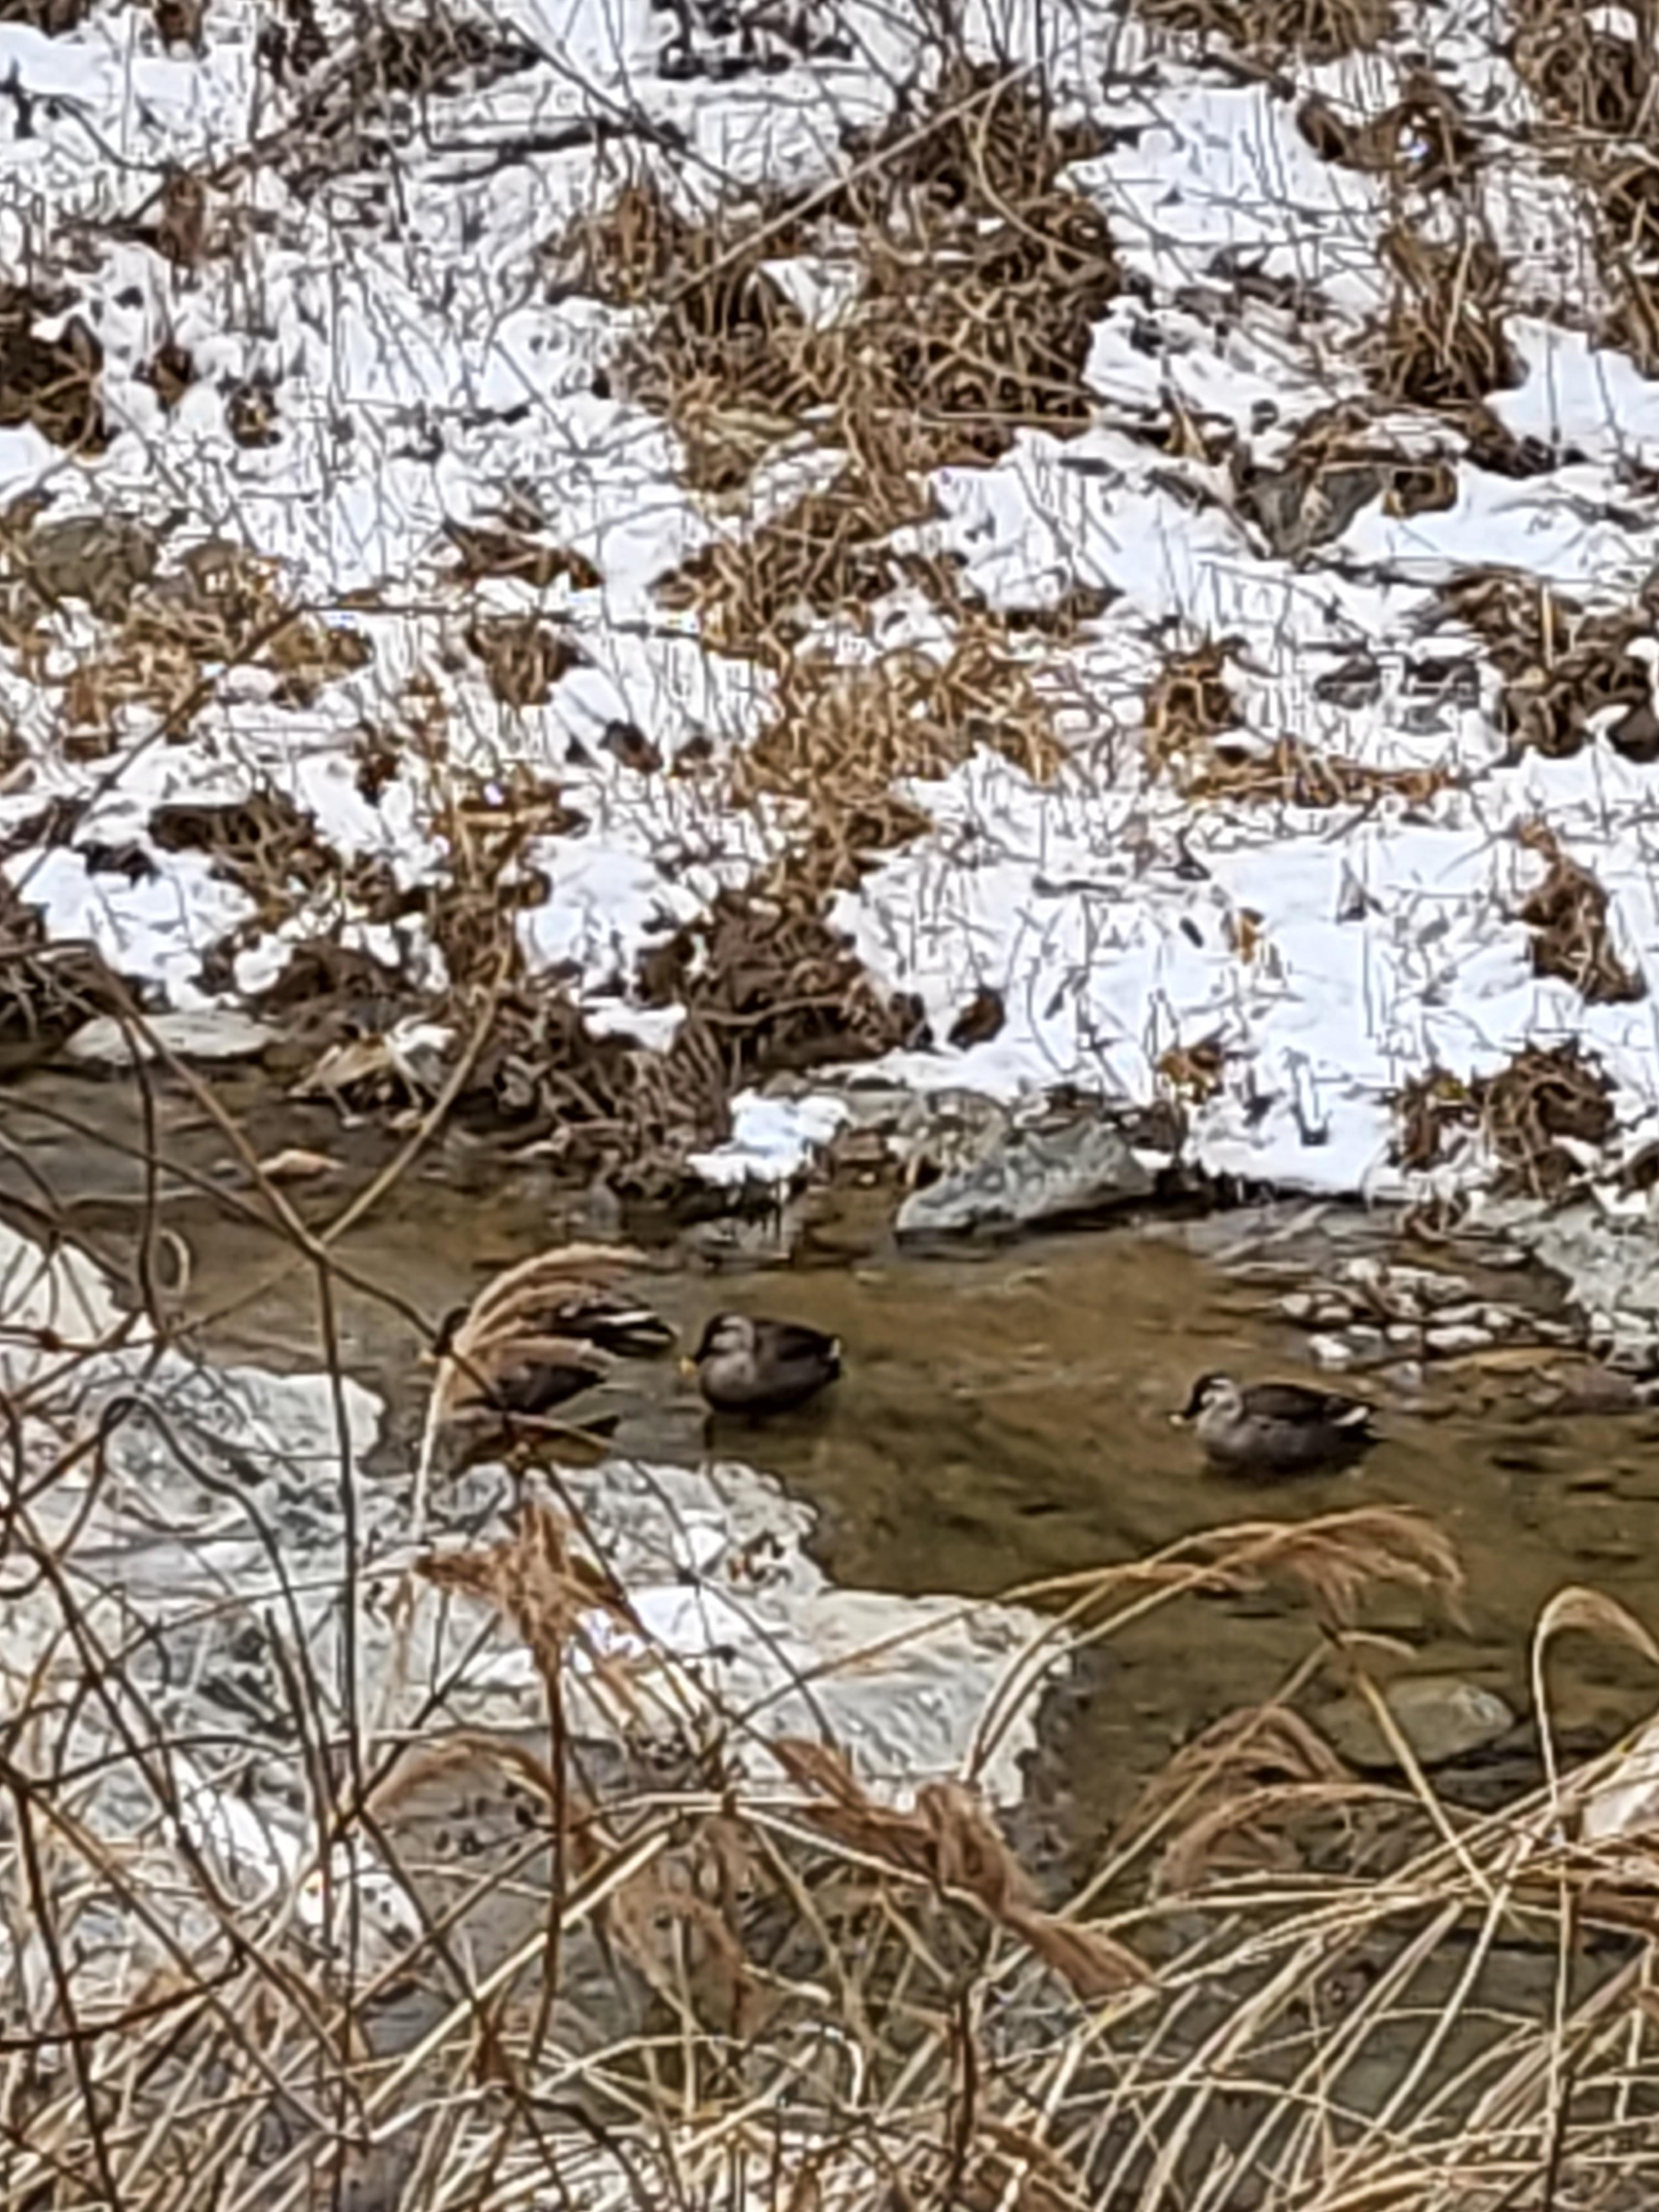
1561, 664
979, 280
1274, 30
1444, 342
538, 1583
1543, 1096
950, 1842
1569, 913
768, 986
843, 736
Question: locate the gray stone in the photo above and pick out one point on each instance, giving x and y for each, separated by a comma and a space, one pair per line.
1030, 1173
1442, 1717
209, 1033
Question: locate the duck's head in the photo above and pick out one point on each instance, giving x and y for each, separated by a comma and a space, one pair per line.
1212, 1394
727, 1334
444, 1336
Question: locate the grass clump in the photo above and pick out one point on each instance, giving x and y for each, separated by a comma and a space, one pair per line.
1275, 31
1563, 664
973, 278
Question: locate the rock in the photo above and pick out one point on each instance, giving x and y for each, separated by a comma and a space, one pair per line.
100, 558
1442, 1717
214, 1033
1040, 1172
1450, 1341
1334, 1353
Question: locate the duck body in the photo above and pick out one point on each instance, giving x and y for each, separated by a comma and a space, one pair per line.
745, 1366
592, 1313
541, 1332
544, 1374
1276, 1428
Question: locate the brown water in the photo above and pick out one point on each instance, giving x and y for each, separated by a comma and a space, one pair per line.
1004, 1417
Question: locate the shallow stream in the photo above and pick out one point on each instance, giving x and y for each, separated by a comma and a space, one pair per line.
1005, 1414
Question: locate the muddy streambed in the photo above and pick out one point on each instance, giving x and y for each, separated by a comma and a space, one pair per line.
1005, 1414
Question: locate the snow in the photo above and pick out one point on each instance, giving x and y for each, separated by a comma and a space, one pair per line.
421, 371
216, 1502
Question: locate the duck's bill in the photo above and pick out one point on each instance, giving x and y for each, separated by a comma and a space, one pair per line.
1179, 1420
688, 1368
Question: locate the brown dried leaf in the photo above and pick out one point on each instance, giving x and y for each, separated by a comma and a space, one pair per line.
1095, 1964
536, 1580
950, 1841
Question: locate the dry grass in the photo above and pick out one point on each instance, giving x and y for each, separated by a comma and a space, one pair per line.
1561, 664
976, 280
523, 656
1597, 86
1189, 715
823, 558
1569, 913
47, 991
1537, 1116
1277, 30
51, 383
1444, 342
844, 735
1337, 463
769, 987
637, 1978
220, 607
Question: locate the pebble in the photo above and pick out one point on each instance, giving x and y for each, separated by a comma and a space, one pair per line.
1442, 1717
1465, 1337
1333, 1352
1465, 1315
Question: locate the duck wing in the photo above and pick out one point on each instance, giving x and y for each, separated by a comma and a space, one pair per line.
1293, 1403
596, 1316
791, 1344
528, 1374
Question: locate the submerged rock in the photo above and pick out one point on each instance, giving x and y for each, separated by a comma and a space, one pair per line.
1042, 1170
1442, 1717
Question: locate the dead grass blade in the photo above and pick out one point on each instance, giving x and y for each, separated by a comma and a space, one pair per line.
543, 1330
539, 1583
950, 1841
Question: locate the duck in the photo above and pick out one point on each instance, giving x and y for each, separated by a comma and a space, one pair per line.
542, 1333
1275, 1428
744, 1364
532, 1374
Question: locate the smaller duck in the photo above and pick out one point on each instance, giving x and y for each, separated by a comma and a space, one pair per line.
1275, 1428
532, 1375
541, 1332
744, 1365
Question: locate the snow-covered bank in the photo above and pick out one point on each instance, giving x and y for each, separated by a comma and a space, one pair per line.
232, 1512
346, 627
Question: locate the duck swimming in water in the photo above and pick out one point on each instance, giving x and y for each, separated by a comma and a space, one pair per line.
1275, 1428
744, 1365
543, 1331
